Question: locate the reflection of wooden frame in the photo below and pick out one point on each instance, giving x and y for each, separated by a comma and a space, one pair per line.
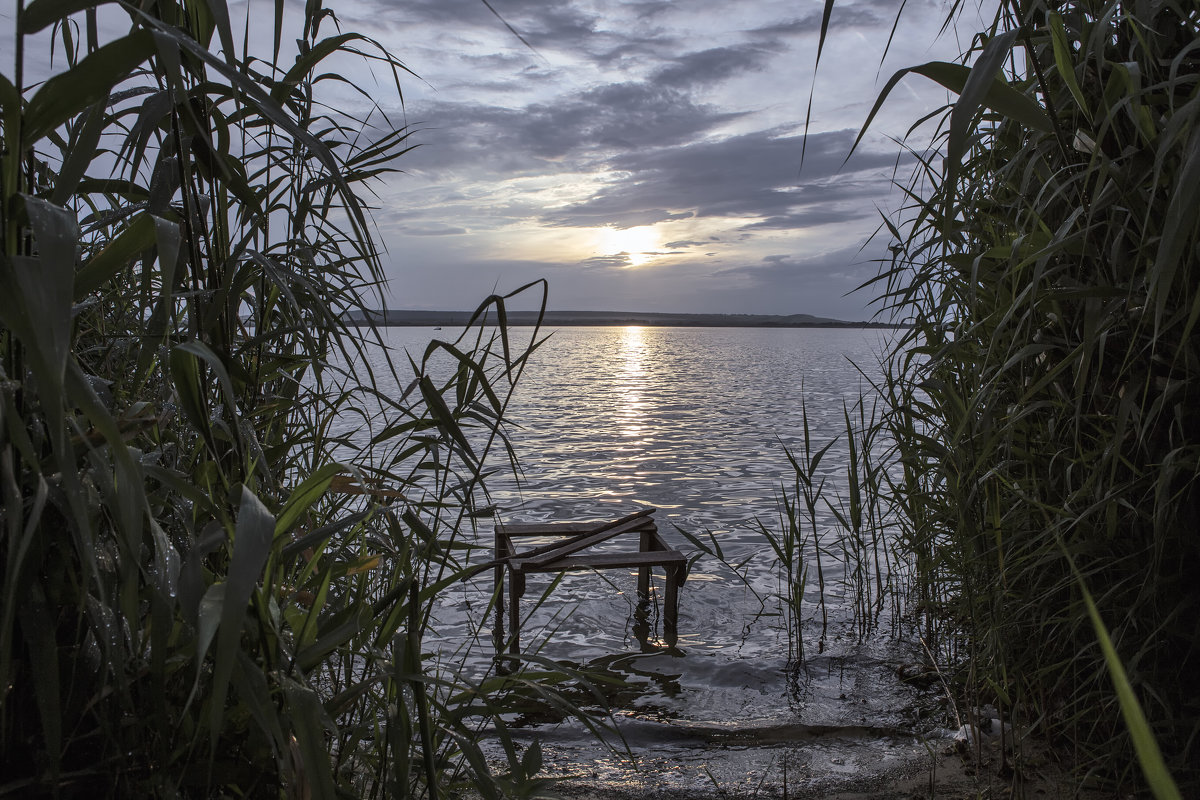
564, 555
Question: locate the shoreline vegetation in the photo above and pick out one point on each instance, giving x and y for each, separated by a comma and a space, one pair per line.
1037, 461
418, 318
211, 586
220, 541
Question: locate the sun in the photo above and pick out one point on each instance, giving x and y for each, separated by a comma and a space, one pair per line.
638, 244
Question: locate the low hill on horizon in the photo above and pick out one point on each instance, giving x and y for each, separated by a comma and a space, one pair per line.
410, 317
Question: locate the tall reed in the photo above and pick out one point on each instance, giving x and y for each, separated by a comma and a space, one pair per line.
209, 588
1043, 400
835, 541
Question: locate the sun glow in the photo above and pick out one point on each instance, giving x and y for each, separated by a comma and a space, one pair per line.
639, 244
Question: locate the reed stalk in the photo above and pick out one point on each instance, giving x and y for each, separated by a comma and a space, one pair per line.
1042, 401
191, 604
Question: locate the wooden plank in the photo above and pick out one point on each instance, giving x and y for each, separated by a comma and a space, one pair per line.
657, 558
600, 532
549, 528
582, 542
570, 528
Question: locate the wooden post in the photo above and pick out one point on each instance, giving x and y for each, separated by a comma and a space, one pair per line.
671, 606
500, 553
516, 588
645, 544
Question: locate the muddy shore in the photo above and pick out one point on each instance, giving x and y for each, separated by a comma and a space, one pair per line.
945, 771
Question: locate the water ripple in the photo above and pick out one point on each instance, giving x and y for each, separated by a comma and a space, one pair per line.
693, 422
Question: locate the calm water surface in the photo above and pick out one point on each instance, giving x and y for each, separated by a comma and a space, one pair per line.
694, 422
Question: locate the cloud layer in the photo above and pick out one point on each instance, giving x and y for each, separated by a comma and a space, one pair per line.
682, 126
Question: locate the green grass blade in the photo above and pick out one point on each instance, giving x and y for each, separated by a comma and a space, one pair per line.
251, 546
304, 496
89, 82
42, 13
1149, 756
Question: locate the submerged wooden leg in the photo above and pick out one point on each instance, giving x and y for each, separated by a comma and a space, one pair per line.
671, 607
500, 551
645, 544
641, 627
516, 588
498, 593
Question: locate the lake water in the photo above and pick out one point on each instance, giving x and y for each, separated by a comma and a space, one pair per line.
695, 422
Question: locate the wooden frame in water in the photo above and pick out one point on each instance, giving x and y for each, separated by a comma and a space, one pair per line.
564, 554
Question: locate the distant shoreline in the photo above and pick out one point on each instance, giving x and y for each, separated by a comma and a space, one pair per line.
412, 318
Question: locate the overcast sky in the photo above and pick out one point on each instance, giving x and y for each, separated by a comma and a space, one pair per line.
645, 154
641, 154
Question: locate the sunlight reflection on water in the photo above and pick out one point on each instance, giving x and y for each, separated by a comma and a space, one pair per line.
693, 422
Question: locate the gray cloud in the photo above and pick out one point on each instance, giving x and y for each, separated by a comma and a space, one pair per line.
753, 174
569, 132
616, 260
848, 266
711, 66
440, 230
633, 112
545, 26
